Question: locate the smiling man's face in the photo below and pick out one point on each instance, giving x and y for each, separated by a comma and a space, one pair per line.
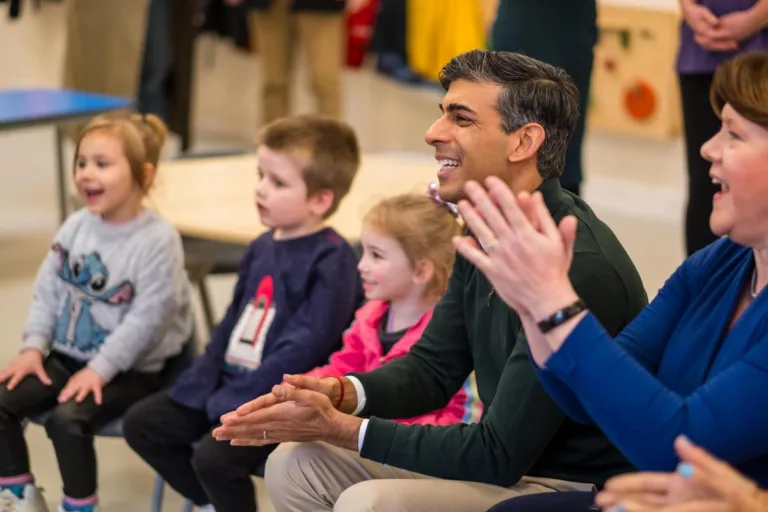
468, 138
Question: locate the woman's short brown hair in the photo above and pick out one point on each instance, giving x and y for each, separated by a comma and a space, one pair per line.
742, 83
326, 150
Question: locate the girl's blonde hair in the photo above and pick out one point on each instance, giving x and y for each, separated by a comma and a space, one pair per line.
424, 229
142, 135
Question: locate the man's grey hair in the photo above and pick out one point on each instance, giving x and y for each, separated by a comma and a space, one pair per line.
531, 92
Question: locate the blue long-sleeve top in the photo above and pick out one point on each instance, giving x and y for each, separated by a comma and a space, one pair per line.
313, 292
677, 369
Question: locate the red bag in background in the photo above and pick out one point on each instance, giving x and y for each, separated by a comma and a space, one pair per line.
359, 33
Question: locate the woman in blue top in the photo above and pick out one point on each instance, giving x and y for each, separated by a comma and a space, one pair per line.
695, 361
711, 32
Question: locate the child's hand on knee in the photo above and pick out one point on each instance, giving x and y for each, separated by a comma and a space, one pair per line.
82, 384
29, 362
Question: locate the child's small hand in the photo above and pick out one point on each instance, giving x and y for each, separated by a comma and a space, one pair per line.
29, 362
81, 384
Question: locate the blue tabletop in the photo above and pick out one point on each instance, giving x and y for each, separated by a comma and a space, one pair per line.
28, 107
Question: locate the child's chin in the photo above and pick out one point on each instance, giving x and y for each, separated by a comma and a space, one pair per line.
266, 222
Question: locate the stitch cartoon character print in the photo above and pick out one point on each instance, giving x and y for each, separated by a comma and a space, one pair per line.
87, 278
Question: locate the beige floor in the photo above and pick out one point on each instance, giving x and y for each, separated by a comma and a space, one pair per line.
635, 185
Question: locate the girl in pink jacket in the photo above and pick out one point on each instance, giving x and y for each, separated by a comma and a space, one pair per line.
407, 259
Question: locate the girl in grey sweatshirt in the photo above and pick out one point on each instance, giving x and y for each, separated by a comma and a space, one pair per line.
111, 305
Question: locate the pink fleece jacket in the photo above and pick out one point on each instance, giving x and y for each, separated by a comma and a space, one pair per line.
362, 352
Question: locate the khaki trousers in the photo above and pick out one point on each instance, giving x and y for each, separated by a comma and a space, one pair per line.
322, 37
320, 477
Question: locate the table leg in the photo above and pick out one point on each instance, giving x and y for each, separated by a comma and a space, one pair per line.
61, 173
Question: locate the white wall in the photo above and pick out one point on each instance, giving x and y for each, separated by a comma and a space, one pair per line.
33, 51
33, 46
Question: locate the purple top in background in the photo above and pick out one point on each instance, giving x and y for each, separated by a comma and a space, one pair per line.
693, 59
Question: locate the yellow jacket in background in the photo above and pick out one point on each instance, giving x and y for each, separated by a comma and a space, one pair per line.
438, 30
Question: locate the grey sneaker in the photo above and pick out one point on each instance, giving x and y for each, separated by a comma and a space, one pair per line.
32, 502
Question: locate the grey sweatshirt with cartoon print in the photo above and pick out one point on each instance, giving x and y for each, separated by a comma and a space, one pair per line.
116, 296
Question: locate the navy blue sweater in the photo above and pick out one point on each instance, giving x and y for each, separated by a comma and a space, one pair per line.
677, 369
314, 290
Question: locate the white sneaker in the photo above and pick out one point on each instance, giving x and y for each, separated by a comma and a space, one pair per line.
32, 502
206, 508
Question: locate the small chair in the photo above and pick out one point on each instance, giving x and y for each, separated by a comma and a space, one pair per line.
173, 368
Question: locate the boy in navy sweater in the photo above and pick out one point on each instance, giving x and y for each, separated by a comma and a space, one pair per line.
296, 292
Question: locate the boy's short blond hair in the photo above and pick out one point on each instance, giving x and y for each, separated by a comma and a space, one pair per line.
325, 149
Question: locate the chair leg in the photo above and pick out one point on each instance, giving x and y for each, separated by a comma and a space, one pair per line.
205, 298
157, 495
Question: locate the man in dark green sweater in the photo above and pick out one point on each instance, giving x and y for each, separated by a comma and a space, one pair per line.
504, 115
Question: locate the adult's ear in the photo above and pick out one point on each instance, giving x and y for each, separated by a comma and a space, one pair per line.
524, 144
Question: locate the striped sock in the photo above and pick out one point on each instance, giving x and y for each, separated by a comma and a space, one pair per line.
79, 505
16, 484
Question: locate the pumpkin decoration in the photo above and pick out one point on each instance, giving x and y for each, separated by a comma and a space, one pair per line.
640, 100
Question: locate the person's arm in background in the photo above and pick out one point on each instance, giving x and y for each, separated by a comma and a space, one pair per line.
706, 27
760, 12
309, 336
741, 25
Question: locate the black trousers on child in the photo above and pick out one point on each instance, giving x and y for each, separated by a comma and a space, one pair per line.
70, 426
700, 124
163, 432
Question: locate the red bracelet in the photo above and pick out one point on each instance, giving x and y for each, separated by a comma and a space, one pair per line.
341, 396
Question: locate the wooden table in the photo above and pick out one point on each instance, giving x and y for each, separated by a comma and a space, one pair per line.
213, 198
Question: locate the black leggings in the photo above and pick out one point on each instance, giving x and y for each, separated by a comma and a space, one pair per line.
70, 426
163, 431
700, 124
